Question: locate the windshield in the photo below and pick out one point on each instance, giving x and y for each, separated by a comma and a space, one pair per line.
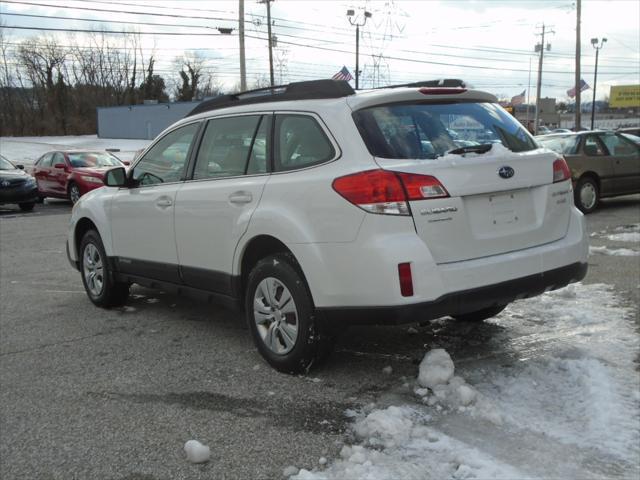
428, 131
565, 144
6, 164
93, 159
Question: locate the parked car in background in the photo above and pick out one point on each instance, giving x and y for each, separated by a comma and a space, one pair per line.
542, 130
17, 186
71, 174
603, 164
560, 130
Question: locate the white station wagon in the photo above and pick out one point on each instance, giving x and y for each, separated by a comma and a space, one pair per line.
312, 206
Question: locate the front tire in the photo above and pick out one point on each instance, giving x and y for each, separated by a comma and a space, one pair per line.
26, 207
480, 315
97, 279
587, 194
74, 193
282, 318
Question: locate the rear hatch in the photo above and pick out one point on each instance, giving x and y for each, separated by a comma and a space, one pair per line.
501, 191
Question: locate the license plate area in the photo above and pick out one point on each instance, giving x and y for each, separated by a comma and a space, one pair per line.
504, 208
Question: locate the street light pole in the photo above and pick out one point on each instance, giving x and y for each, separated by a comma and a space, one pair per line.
594, 44
351, 14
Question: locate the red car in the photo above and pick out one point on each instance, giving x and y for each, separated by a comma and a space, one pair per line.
71, 174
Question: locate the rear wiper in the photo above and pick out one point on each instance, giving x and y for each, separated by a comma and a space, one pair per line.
483, 148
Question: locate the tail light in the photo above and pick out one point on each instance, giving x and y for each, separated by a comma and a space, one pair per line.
561, 170
442, 90
387, 192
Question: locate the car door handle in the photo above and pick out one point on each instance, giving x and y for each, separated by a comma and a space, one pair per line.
164, 202
240, 197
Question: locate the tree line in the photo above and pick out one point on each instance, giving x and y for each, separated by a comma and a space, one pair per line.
49, 88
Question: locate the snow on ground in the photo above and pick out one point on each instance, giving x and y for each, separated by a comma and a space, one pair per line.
566, 406
615, 252
27, 150
633, 237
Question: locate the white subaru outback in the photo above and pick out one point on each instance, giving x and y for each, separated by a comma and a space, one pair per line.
311, 206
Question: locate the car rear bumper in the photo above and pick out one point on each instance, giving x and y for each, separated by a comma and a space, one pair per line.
461, 302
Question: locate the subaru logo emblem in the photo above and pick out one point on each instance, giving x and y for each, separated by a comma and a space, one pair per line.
506, 172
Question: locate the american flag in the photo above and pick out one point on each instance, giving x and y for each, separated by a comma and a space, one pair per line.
583, 86
518, 99
343, 74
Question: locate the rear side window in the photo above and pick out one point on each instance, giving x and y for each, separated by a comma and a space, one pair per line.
617, 145
429, 131
565, 144
300, 142
592, 147
226, 146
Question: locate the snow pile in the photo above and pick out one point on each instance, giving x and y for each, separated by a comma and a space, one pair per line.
558, 371
615, 252
197, 452
632, 237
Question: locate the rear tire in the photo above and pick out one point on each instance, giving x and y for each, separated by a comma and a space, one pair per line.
480, 315
97, 279
26, 207
587, 194
282, 318
74, 193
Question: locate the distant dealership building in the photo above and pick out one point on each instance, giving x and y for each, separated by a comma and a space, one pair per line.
143, 122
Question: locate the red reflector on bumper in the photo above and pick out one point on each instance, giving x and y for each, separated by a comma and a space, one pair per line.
406, 281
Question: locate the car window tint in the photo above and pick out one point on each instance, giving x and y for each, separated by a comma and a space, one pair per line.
165, 161
617, 145
300, 142
225, 147
258, 160
592, 147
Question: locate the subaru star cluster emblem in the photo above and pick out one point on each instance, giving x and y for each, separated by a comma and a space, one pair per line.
506, 172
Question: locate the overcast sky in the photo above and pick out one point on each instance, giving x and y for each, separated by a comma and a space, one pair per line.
490, 44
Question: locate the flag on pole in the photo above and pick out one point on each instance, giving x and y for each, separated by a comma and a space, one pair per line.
583, 86
518, 99
343, 74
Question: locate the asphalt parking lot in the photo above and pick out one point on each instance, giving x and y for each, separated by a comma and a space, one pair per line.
114, 394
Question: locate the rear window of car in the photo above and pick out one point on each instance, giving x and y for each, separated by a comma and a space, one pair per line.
429, 131
565, 144
96, 159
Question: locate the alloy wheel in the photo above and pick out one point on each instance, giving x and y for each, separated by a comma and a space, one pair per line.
93, 270
275, 315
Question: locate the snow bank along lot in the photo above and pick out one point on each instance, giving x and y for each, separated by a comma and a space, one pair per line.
548, 389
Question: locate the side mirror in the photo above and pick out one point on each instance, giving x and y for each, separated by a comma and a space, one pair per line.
116, 177
20, 166
61, 166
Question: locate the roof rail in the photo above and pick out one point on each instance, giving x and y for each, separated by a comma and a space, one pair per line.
444, 82
313, 89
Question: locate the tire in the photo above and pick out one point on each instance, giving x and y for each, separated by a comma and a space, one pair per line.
40, 198
97, 279
587, 194
480, 315
282, 318
74, 193
27, 207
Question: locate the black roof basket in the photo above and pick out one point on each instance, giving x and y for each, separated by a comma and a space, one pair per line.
314, 89
444, 82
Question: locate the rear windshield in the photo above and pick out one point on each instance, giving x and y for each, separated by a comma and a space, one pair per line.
428, 131
97, 159
565, 144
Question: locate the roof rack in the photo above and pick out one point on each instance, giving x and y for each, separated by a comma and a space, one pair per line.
443, 82
314, 89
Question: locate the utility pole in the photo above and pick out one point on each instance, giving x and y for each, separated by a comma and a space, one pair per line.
578, 115
243, 67
351, 15
540, 47
270, 41
594, 44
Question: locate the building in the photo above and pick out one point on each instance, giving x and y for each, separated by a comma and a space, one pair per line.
143, 122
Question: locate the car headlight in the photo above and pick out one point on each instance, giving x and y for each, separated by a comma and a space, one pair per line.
30, 181
89, 179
